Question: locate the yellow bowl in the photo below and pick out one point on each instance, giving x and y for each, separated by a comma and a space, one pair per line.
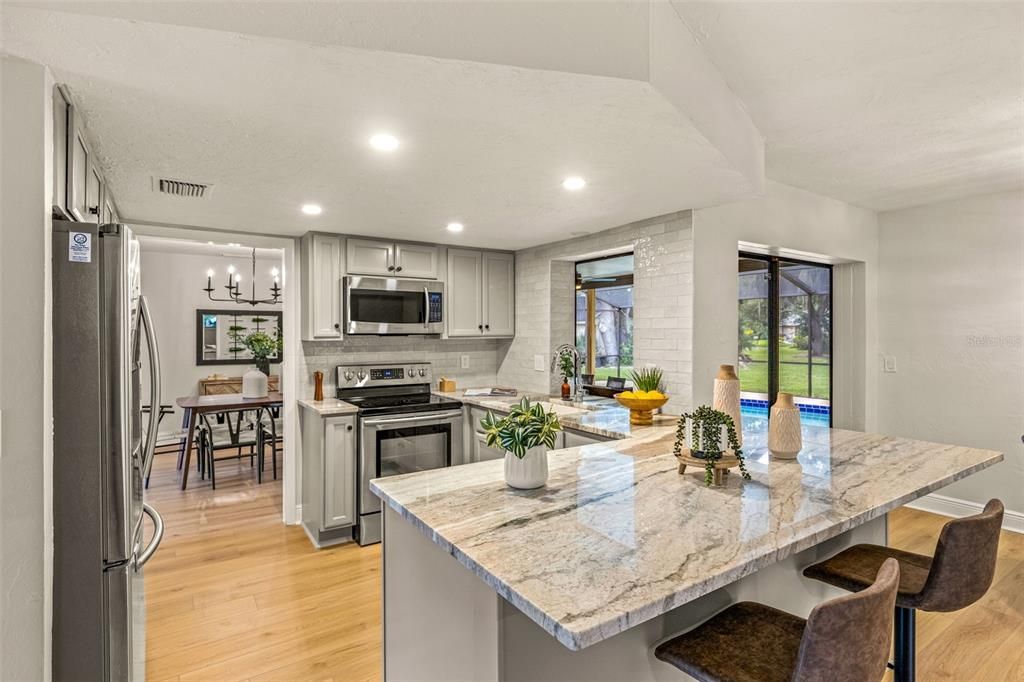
641, 409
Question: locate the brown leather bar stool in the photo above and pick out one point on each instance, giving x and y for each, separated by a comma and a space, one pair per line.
845, 639
957, 575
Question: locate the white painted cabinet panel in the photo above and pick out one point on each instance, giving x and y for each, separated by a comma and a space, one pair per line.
464, 291
370, 257
60, 151
321, 256
416, 260
499, 296
78, 167
574, 439
339, 472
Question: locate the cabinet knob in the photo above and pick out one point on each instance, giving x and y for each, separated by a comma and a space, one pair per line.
480, 327
337, 326
391, 268
487, 327
348, 428
398, 269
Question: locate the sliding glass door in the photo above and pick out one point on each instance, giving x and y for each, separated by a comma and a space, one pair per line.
785, 332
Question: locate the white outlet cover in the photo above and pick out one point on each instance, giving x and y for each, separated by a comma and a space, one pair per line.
538, 363
464, 361
889, 363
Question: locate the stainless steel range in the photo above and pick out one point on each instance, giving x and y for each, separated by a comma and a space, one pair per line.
402, 428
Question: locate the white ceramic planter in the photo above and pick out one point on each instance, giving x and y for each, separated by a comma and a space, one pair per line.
254, 384
530, 471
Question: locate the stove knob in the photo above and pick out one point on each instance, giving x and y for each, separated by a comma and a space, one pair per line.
349, 376
361, 375
423, 372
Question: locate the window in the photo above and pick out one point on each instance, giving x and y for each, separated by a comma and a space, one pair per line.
604, 316
785, 332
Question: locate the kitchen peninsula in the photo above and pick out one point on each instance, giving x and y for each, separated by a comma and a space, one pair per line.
579, 579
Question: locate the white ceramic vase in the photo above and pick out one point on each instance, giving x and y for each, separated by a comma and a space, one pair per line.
727, 397
254, 384
784, 438
529, 471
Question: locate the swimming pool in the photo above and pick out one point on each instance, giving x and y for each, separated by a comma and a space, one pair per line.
756, 417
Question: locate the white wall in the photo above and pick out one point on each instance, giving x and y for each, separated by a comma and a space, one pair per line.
801, 221
951, 313
662, 303
26, 511
172, 284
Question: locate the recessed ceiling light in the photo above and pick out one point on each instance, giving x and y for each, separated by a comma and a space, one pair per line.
384, 142
455, 227
210, 243
573, 183
312, 209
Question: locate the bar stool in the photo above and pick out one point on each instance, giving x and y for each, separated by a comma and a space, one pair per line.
845, 639
957, 575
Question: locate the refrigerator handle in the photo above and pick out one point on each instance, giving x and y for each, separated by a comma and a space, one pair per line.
154, 542
154, 387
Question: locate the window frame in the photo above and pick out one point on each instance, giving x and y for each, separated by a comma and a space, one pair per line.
590, 290
773, 262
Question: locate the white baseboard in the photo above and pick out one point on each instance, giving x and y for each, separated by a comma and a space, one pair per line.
951, 506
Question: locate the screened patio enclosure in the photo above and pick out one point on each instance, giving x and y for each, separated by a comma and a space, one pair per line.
785, 328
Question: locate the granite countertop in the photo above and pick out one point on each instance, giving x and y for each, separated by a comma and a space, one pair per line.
618, 536
599, 416
329, 407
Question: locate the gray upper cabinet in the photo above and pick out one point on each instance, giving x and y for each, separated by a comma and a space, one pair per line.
94, 189
464, 292
499, 295
79, 161
481, 293
391, 259
322, 273
60, 153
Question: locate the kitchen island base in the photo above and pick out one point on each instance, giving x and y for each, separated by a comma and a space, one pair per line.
443, 622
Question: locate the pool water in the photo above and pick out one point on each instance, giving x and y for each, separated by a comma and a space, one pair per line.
757, 418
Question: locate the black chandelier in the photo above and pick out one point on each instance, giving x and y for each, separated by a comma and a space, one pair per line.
233, 288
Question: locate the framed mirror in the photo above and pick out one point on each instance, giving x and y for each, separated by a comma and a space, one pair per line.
219, 334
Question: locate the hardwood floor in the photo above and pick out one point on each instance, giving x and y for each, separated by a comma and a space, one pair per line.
233, 594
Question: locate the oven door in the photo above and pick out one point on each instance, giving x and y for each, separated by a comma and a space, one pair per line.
402, 444
380, 305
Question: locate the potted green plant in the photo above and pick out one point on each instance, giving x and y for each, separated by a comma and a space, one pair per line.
709, 433
261, 345
524, 434
567, 368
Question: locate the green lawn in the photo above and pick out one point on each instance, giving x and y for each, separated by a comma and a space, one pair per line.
792, 378
602, 373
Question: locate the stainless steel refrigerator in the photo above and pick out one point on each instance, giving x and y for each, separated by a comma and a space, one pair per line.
101, 453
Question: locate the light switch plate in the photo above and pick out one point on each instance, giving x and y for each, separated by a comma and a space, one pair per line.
888, 363
464, 361
538, 363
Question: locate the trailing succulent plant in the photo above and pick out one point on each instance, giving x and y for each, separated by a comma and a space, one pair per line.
707, 429
526, 426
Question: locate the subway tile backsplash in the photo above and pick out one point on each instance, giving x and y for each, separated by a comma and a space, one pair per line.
444, 354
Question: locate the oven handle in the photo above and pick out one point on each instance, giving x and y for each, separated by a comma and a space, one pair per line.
442, 416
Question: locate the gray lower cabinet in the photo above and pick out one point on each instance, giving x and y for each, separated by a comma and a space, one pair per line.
328, 477
575, 439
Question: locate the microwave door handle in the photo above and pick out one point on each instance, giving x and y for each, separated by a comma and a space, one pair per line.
426, 307
154, 386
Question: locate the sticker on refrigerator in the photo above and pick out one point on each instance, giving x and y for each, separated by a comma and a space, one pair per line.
80, 247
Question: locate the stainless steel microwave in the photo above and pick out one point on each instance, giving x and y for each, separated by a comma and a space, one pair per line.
389, 305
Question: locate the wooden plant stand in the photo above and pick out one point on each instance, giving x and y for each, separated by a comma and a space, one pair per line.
721, 466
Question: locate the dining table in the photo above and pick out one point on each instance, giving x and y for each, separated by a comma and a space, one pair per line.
196, 405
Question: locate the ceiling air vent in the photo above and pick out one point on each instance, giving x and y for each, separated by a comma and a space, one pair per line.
180, 188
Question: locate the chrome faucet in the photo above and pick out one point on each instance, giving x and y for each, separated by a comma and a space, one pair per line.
566, 347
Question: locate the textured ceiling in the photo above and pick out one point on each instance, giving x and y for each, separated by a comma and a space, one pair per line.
886, 104
273, 123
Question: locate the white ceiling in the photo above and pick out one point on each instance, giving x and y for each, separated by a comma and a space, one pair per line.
274, 123
187, 246
881, 104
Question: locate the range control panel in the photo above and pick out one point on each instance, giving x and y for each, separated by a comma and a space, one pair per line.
374, 374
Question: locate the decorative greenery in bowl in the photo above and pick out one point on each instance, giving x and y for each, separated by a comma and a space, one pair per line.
646, 395
263, 345
525, 427
706, 435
